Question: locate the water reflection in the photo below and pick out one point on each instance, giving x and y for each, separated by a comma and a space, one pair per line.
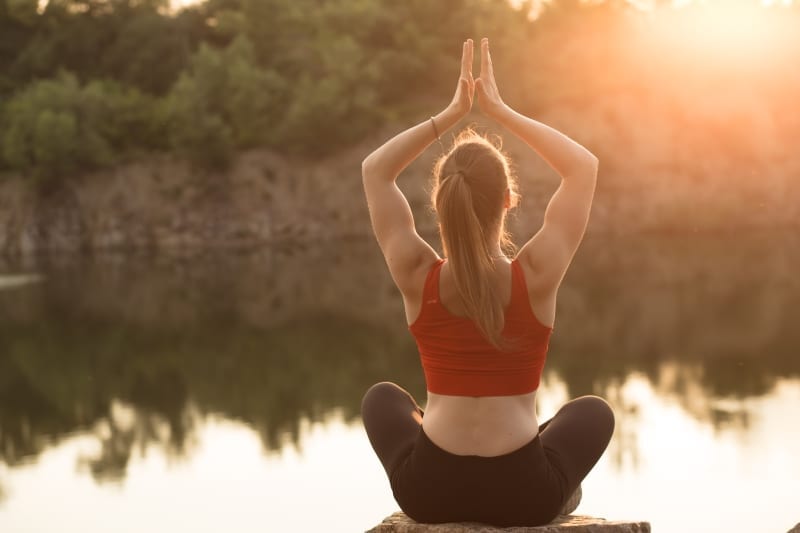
135, 351
127, 430
661, 459
713, 476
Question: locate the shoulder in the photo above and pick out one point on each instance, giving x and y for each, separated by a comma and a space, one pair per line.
414, 284
545, 259
537, 276
411, 279
541, 291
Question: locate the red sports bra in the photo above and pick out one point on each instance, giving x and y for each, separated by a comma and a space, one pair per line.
459, 361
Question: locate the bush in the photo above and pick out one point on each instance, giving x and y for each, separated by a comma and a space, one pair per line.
223, 102
55, 127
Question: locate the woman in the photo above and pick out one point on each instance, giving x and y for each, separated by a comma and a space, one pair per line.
482, 323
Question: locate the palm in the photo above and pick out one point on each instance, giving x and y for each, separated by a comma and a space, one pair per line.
488, 96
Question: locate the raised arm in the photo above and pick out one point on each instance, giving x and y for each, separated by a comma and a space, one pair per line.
550, 251
392, 220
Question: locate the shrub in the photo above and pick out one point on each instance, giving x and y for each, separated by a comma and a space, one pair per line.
52, 128
222, 102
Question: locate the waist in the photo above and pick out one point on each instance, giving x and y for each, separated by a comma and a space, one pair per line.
483, 426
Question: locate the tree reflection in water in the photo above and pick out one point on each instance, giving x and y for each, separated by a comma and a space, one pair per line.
158, 413
138, 350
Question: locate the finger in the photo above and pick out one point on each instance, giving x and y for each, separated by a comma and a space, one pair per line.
489, 66
484, 57
470, 57
464, 55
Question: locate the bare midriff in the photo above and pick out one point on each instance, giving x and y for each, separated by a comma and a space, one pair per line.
484, 426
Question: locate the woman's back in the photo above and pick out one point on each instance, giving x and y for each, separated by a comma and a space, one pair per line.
484, 425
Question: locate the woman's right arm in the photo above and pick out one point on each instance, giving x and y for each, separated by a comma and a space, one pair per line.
550, 251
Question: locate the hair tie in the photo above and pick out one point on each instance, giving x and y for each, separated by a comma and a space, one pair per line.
456, 173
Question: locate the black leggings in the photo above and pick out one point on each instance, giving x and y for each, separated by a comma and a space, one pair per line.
526, 487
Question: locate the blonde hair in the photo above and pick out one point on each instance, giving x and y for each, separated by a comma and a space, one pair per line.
468, 196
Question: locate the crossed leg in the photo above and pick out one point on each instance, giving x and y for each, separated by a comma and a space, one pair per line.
573, 440
392, 419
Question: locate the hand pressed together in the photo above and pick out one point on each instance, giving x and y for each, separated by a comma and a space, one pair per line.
485, 86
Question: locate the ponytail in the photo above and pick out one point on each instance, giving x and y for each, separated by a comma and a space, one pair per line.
465, 245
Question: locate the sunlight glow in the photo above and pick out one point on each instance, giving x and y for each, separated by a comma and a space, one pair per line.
709, 33
732, 25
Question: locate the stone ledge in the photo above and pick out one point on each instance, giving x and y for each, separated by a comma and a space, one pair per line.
400, 523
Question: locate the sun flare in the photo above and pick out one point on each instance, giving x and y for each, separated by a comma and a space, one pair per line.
724, 30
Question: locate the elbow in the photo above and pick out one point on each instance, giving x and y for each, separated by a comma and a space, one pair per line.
591, 167
374, 169
583, 169
367, 166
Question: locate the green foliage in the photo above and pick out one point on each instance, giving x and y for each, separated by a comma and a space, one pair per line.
56, 127
224, 101
131, 41
303, 77
53, 141
21, 11
341, 105
46, 129
147, 53
309, 77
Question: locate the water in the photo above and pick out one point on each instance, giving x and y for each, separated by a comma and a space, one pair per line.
221, 392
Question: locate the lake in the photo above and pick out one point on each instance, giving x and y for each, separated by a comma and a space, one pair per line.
221, 391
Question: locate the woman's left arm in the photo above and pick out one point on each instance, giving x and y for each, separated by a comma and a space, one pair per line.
391, 216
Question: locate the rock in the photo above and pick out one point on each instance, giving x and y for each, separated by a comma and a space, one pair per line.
11, 282
400, 523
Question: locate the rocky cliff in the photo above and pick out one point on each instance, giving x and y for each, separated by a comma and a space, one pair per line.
162, 203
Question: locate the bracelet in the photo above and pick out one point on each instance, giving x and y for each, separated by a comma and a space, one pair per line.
436, 132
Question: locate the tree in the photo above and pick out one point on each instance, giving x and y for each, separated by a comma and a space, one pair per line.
225, 101
54, 128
